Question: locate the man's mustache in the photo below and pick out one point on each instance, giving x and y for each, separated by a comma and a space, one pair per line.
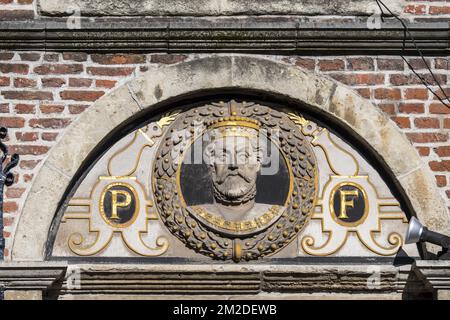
236, 173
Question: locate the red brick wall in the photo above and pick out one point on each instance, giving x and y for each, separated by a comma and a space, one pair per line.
41, 93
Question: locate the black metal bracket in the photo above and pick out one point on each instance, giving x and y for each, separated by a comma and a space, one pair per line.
6, 178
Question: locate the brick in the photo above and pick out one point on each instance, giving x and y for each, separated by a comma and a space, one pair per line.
423, 151
443, 151
411, 79
48, 108
440, 165
441, 63
29, 149
53, 82
439, 108
443, 95
24, 83
75, 56
167, 58
447, 123
28, 164
416, 93
27, 177
51, 57
4, 81
388, 108
5, 1
441, 181
28, 95
426, 123
439, 10
49, 136
402, 122
309, 64
425, 137
81, 95
10, 207
51, 123
13, 68
77, 82
16, 14
359, 79
105, 83
59, 69
387, 94
27, 136
25, 1
77, 109
418, 9
24, 108
331, 65
418, 63
411, 108
390, 64
8, 221
29, 56
110, 71
360, 64
118, 58
4, 107
6, 56
12, 122
364, 92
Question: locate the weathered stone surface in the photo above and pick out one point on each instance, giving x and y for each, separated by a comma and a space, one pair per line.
215, 74
213, 7
436, 275
430, 209
35, 221
275, 281
105, 115
371, 124
23, 295
248, 72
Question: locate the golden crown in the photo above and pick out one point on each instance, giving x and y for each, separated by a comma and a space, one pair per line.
233, 121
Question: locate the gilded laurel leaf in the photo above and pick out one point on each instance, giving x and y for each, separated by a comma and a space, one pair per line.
168, 118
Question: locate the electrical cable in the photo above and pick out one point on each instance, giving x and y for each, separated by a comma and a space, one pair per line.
406, 31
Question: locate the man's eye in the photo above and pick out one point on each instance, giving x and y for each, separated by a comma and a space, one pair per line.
242, 157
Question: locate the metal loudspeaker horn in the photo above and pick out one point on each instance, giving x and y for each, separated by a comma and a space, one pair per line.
418, 233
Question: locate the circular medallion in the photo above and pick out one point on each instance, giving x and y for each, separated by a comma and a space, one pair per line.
349, 205
118, 205
234, 180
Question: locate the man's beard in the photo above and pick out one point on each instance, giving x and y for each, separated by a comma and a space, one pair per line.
234, 189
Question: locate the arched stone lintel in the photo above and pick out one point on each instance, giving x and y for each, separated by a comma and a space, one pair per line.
221, 72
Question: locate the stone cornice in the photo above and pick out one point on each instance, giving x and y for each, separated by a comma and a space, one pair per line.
276, 281
434, 273
30, 275
266, 35
232, 279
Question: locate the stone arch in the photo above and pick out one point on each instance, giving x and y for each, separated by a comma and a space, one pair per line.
149, 91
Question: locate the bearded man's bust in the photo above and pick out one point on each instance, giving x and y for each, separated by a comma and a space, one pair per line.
234, 158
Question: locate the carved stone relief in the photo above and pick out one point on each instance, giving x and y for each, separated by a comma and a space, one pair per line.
232, 181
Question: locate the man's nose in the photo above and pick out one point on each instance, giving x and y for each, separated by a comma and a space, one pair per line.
232, 164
